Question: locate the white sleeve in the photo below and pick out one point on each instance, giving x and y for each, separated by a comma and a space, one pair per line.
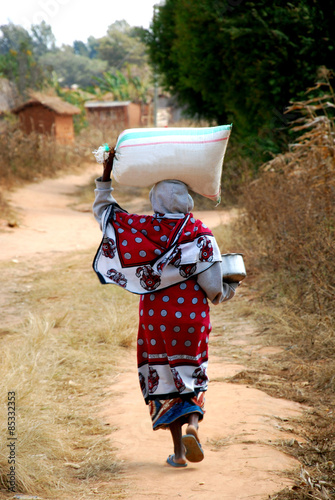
211, 283
103, 198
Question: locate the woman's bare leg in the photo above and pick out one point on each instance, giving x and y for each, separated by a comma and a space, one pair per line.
179, 450
193, 425
193, 420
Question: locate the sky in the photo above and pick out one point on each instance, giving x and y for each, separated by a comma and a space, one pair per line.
77, 19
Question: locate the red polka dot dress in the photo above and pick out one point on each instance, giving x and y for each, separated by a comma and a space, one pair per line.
172, 350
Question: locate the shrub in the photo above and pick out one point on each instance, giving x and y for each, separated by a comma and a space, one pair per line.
290, 212
27, 157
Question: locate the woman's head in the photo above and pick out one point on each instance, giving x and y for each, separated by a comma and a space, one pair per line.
171, 197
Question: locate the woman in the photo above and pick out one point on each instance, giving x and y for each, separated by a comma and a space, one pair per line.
173, 262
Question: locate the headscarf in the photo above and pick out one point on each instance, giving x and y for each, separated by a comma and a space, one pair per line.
172, 197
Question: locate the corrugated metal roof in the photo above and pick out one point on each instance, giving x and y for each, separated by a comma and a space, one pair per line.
52, 102
106, 104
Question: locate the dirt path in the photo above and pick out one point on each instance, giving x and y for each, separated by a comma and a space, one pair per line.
47, 224
241, 424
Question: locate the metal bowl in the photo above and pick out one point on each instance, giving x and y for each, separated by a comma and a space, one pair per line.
233, 268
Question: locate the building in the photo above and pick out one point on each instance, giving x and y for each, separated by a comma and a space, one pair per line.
117, 114
48, 115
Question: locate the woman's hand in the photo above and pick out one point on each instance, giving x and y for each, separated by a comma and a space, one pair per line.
108, 166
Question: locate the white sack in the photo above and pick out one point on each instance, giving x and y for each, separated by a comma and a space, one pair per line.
194, 156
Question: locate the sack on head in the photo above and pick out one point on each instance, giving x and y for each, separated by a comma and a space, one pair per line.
194, 156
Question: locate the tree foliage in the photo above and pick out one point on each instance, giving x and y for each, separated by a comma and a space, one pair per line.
19, 58
122, 44
123, 87
43, 39
32, 60
72, 68
241, 61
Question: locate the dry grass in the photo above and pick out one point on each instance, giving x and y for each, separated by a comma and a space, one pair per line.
28, 158
287, 231
6, 211
289, 228
58, 360
25, 158
317, 457
288, 374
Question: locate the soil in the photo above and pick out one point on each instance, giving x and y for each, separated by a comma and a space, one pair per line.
241, 425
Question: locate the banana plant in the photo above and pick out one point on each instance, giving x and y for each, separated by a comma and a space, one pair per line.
116, 83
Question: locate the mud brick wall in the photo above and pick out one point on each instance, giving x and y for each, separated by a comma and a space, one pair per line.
64, 128
37, 118
134, 115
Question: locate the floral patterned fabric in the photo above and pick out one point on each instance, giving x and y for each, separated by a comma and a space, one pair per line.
144, 253
164, 412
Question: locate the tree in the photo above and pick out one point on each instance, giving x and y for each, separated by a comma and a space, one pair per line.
18, 61
73, 69
80, 48
122, 45
43, 40
32, 60
240, 61
92, 47
13, 37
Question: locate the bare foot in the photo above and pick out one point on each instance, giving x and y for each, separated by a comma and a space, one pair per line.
174, 462
179, 460
194, 451
191, 429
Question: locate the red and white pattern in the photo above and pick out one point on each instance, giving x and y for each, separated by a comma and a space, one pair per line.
159, 258
172, 350
152, 252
